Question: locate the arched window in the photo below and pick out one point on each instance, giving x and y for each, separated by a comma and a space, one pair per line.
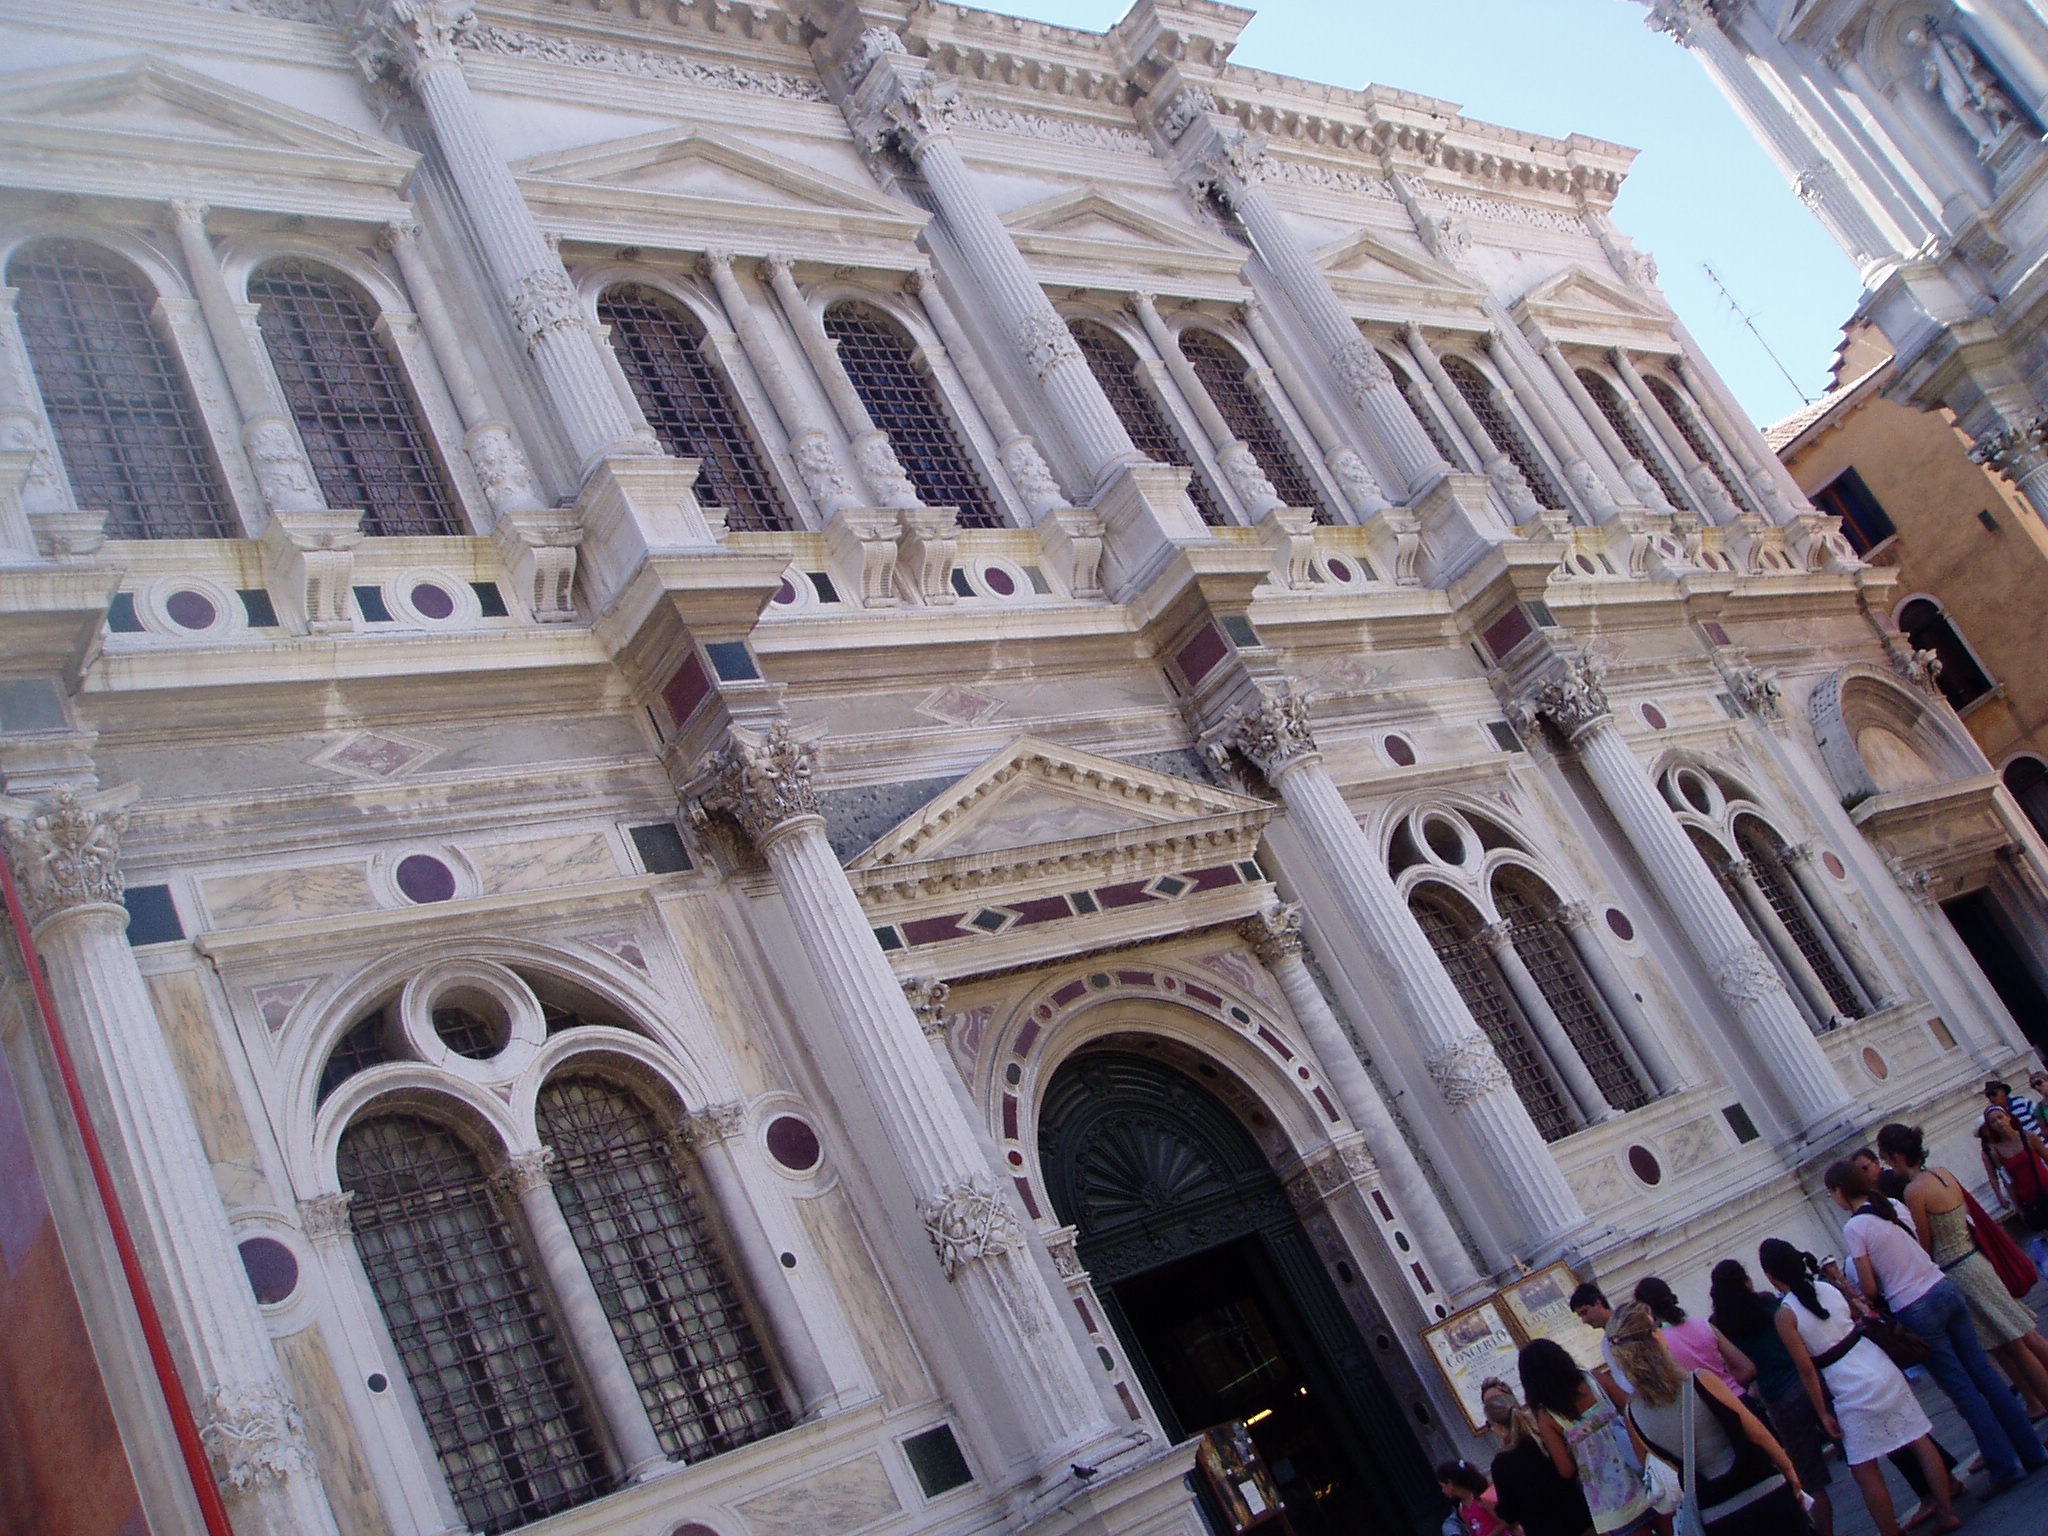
1222, 373
658, 1271
1452, 930
1536, 929
878, 358
1631, 435
661, 349
116, 396
1115, 367
1961, 681
1425, 418
2027, 779
1696, 439
1501, 428
479, 1351
1765, 853
355, 415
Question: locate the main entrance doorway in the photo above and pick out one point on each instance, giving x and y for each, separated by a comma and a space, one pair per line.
1218, 1295
1987, 931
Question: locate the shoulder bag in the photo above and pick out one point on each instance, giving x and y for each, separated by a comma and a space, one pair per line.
2007, 1257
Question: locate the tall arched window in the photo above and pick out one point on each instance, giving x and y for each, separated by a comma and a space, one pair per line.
116, 396
657, 1269
1631, 435
355, 415
1502, 429
1425, 418
661, 349
1927, 628
1696, 439
1115, 367
2026, 777
1452, 930
1765, 853
878, 358
478, 1348
1536, 929
1222, 373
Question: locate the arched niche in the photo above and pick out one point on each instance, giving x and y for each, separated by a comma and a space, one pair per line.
1877, 736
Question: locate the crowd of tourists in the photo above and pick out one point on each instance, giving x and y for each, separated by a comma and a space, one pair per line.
1727, 1421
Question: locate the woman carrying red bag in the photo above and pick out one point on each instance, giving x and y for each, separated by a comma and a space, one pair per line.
2017, 1164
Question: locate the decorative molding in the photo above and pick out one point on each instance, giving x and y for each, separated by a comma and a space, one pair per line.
1467, 1070
580, 53
66, 851
254, 1435
1329, 178
966, 1223
1012, 124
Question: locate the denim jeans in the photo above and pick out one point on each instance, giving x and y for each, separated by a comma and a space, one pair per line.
1965, 1373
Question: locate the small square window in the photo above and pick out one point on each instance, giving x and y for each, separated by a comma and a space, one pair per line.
1249, 869
1241, 633
1540, 612
935, 1458
1084, 902
370, 600
962, 587
121, 615
490, 601
1504, 736
660, 847
992, 920
889, 937
256, 604
152, 915
1170, 886
732, 661
1740, 1123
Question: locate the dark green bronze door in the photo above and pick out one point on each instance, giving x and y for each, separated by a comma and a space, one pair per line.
1219, 1296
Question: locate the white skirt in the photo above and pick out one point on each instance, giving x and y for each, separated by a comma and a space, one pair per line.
1874, 1403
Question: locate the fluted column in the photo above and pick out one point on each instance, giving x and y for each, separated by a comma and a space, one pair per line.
1579, 472
1275, 736
65, 852
1232, 456
763, 781
1346, 465
416, 40
1574, 704
1860, 965
1742, 882
880, 469
1642, 1039
1501, 471
1760, 467
269, 438
529, 1178
897, 104
1707, 490
1275, 937
1634, 473
1564, 1057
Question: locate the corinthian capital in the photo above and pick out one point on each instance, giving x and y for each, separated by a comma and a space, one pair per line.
927, 999
1274, 734
968, 1223
1274, 933
66, 851
763, 780
903, 110
1570, 702
524, 1172
401, 37
1684, 20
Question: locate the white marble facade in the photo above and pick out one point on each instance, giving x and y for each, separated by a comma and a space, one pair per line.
1470, 761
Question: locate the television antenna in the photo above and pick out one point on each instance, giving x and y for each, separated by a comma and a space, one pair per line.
1749, 321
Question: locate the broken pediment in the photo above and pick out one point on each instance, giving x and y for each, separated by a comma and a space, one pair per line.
1033, 794
1370, 269
1088, 229
1580, 304
142, 127
692, 181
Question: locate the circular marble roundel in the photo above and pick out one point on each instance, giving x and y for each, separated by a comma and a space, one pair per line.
273, 1272
792, 1143
432, 600
1619, 925
1642, 1162
425, 879
190, 610
1399, 751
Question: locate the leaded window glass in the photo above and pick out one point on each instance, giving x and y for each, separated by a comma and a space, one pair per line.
1627, 429
878, 358
655, 1262
1502, 428
1425, 418
117, 399
1537, 932
1766, 857
479, 1351
661, 350
355, 415
1696, 439
1251, 422
1479, 982
1115, 367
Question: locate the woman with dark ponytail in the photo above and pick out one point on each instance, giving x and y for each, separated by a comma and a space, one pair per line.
1695, 1343
1874, 1411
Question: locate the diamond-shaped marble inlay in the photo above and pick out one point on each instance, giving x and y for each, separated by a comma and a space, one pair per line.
374, 755
959, 706
275, 1003
620, 946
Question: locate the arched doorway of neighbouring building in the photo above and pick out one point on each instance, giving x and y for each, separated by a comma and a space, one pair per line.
1217, 1293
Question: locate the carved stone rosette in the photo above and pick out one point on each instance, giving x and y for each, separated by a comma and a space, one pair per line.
66, 851
927, 998
1569, 703
1467, 1070
254, 1436
1274, 933
764, 780
968, 1222
1274, 734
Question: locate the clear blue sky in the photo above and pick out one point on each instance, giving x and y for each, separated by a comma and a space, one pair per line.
1702, 190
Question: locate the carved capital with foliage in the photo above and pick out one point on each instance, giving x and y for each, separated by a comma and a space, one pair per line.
1274, 734
1570, 702
66, 850
1274, 933
968, 1223
763, 781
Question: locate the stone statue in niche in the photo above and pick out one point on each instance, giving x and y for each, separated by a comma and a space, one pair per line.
1957, 73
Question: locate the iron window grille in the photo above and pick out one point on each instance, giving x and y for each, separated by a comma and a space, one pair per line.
1224, 375
1479, 983
1115, 367
1545, 949
116, 397
1723, 865
1501, 428
878, 358
679, 1319
1631, 434
357, 1051
1697, 440
1425, 418
1766, 857
690, 406
355, 415
481, 1355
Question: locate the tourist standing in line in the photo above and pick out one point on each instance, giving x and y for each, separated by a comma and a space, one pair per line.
1589, 1305
1890, 1262
1528, 1490
1749, 1320
2016, 1161
1588, 1438
1695, 1343
1873, 1408
1471, 1490
1743, 1482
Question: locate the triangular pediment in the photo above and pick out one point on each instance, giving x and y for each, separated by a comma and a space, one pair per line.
1368, 268
700, 179
1032, 794
1089, 227
142, 125
1581, 301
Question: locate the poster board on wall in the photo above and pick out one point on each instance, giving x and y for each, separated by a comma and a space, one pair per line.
1470, 1346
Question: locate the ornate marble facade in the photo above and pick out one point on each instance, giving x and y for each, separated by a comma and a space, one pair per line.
1170, 560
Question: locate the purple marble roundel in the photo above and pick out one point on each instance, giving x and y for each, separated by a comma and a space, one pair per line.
1399, 751
191, 610
1642, 1162
1618, 923
432, 601
425, 879
273, 1272
792, 1143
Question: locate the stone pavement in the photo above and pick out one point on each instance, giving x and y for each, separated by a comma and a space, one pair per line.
2023, 1511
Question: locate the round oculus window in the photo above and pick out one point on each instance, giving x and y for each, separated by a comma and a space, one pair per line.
793, 1144
273, 1271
